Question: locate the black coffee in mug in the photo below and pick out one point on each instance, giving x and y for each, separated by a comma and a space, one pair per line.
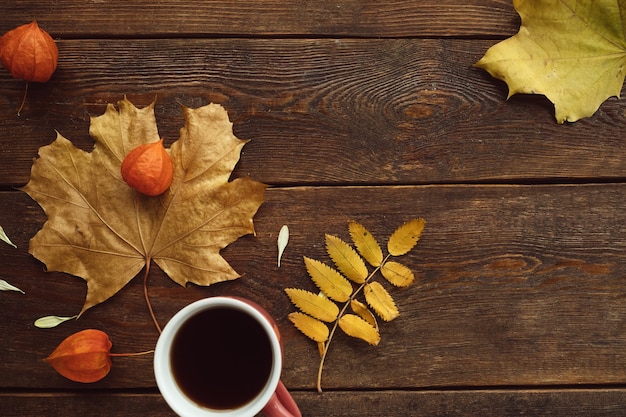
221, 358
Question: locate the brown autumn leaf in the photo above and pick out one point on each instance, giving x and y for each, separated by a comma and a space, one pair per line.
105, 232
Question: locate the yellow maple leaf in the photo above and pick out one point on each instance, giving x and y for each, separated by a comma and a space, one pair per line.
571, 51
102, 230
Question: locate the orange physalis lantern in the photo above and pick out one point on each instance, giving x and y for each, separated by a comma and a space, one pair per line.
29, 53
148, 168
83, 356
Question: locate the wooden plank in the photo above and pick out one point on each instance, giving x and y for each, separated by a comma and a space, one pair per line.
468, 403
408, 111
175, 18
517, 285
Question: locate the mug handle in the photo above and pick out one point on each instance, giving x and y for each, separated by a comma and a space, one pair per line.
281, 404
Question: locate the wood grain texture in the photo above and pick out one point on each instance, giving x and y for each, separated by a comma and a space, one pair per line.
406, 111
469, 403
321, 18
355, 110
512, 289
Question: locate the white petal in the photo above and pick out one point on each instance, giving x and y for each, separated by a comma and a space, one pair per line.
5, 238
283, 239
5, 286
48, 322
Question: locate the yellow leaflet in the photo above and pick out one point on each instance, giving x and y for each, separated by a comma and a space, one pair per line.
347, 260
355, 326
328, 280
397, 274
405, 237
362, 311
312, 328
365, 243
312, 304
379, 299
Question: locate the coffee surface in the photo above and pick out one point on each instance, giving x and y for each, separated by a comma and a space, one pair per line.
221, 358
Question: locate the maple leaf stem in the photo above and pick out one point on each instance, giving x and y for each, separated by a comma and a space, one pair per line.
147, 297
336, 324
23, 100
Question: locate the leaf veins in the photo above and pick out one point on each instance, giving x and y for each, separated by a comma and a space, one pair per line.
328, 280
355, 326
100, 229
381, 301
312, 328
312, 304
347, 260
405, 237
397, 274
365, 243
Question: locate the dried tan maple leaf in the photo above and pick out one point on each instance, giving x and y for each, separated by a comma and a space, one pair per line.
102, 230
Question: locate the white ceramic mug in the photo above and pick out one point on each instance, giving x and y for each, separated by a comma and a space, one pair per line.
271, 397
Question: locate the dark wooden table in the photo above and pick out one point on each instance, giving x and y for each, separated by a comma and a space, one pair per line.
355, 110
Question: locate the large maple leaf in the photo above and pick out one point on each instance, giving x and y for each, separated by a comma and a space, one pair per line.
571, 51
102, 230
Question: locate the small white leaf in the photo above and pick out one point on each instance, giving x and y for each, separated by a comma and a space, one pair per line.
5, 286
48, 322
5, 238
283, 239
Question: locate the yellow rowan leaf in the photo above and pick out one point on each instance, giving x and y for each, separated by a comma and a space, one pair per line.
355, 326
397, 274
312, 304
310, 327
379, 299
347, 259
405, 237
328, 280
365, 243
362, 311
